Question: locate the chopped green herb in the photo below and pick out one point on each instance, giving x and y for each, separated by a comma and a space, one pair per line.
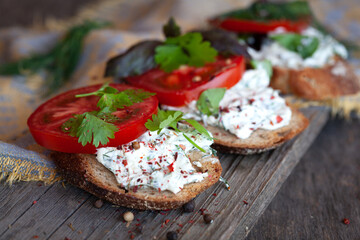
209, 101
303, 45
264, 64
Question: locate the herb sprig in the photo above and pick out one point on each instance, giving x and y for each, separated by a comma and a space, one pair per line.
164, 119
97, 127
60, 62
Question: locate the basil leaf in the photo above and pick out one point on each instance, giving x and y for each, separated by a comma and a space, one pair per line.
171, 29
209, 101
303, 45
265, 64
265, 11
226, 43
135, 61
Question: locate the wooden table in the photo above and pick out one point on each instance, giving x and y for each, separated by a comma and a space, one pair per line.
320, 192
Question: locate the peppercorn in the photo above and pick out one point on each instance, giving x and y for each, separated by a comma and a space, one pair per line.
189, 206
208, 219
128, 216
172, 235
135, 145
99, 203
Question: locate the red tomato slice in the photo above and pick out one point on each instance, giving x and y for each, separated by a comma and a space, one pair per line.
45, 123
249, 26
186, 84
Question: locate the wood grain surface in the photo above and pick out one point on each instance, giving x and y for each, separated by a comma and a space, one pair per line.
321, 191
30, 210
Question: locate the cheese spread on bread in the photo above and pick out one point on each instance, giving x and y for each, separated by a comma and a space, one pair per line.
160, 161
249, 105
279, 56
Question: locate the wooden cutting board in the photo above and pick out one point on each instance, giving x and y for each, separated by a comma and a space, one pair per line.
32, 210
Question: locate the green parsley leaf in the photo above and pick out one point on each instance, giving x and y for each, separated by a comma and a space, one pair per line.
89, 128
187, 49
303, 45
164, 119
265, 64
171, 29
170, 57
209, 100
97, 127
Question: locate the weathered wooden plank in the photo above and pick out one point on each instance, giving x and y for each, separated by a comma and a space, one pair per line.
43, 217
15, 200
254, 179
322, 190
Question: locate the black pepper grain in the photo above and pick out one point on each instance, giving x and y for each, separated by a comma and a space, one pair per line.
172, 235
99, 203
189, 206
208, 219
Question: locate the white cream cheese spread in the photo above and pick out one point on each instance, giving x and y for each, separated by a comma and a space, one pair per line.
246, 107
282, 57
160, 161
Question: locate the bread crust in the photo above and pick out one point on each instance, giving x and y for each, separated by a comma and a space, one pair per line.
84, 171
331, 81
261, 140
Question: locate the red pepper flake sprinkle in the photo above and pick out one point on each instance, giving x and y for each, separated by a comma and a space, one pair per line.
167, 221
132, 236
180, 225
278, 119
36, 236
159, 190
124, 162
346, 221
171, 167
272, 97
251, 101
214, 194
191, 221
183, 147
138, 224
245, 202
35, 202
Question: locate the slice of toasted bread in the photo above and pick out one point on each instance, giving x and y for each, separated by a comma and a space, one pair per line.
331, 81
84, 171
261, 140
